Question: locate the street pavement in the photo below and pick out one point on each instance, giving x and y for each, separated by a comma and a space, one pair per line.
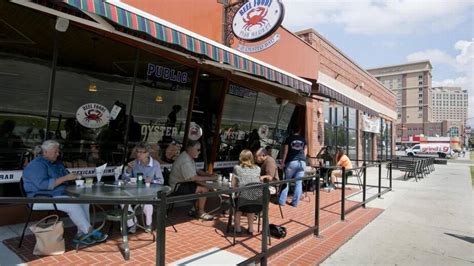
429, 222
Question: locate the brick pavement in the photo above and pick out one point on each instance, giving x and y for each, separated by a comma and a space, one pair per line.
195, 236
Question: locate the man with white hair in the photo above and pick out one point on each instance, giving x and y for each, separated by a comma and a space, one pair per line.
46, 175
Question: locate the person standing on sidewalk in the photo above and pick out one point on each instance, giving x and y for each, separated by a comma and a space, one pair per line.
294, 163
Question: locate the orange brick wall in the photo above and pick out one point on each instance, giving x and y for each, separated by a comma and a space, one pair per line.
335, 64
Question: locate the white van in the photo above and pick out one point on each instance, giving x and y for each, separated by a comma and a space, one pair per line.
442, 150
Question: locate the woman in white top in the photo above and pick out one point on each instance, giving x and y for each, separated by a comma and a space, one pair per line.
245, 172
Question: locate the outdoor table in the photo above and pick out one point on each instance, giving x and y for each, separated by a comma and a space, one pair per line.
110, 191
218, 187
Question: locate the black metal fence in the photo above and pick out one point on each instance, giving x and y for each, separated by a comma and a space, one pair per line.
162, 201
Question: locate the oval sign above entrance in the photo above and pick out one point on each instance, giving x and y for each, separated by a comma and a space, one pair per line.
257, 19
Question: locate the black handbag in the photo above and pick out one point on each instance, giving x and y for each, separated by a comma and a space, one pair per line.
277, 231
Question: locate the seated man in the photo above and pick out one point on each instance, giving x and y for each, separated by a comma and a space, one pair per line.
47, 176
151, 170
184, 169
268, 166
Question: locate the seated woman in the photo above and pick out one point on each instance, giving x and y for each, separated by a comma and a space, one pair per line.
342, 161
151, 170
245, 172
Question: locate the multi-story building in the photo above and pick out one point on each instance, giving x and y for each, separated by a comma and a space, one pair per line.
412, 84
449, 103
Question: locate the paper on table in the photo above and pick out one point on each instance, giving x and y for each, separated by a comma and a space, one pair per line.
118, 172
99, 171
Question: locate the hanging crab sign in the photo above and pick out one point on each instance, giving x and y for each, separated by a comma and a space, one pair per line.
257, 19
93, 115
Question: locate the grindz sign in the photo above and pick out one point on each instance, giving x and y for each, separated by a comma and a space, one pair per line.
257, 19
92, 115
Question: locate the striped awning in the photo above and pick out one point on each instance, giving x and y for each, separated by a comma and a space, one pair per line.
191, 42
333, 94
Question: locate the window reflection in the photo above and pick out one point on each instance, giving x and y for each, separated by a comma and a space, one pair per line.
261, 121
340, 128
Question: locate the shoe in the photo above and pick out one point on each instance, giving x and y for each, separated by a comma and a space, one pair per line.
206, 217
274, 200
192, 213
132, 229
98, 236
83, 240
250, 233
147, 228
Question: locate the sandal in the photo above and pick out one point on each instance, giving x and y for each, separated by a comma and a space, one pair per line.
206, 217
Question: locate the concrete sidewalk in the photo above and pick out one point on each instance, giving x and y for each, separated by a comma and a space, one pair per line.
430, 222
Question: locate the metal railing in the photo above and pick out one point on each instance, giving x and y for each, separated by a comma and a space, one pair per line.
162, 201
365, 200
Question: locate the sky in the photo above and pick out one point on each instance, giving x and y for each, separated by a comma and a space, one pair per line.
387, 32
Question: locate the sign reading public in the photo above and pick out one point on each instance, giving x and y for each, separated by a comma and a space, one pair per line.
257, 19
93, 115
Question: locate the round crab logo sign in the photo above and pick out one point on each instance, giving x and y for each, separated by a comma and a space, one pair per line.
257, 19
195, 131
92, 115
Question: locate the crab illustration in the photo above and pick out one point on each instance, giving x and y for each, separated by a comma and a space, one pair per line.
255, 16
93, 115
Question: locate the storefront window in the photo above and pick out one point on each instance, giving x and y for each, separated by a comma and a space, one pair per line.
94, 74
340, 125
25, 71
161, 104
352, 151
262, 121
385, 149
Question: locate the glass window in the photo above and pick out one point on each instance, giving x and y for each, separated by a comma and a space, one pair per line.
93, 75
92, 95
262, 121
161, 104
25, 71
352, 118
342, 116
352, 148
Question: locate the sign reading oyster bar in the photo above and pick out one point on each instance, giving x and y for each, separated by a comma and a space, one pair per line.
257, 19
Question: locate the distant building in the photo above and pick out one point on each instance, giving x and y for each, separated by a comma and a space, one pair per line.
449, 103
412, 84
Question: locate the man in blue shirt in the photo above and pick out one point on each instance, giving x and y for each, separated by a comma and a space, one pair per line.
45, 175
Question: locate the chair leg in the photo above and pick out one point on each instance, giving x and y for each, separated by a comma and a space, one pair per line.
360, 182
24, 228
269, 237
258, 221
233, 241
281, 211
172, 225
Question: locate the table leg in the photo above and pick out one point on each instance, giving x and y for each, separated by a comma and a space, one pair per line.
126, 249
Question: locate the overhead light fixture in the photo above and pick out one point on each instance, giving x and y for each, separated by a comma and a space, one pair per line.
92, 87
61, 24
158, 99
204, 75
